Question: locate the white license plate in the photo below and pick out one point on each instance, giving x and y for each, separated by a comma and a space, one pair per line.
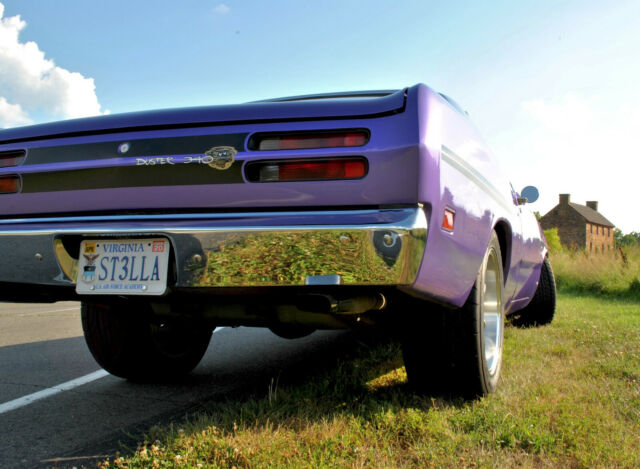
123, 267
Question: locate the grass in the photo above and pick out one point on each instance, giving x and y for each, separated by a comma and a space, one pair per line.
569, 397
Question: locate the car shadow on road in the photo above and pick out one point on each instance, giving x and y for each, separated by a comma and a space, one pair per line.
357, 375
248, 378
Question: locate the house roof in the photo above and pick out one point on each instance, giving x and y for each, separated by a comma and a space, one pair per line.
591, 215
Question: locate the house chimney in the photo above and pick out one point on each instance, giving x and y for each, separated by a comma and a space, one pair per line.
593, 204
565, 199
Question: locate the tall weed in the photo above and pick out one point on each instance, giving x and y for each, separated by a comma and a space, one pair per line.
614, 272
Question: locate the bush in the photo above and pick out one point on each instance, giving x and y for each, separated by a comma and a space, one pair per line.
553, 240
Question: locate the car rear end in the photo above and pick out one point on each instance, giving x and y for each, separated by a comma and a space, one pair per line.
308, 195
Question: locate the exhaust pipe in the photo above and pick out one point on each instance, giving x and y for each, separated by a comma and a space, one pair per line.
327, 304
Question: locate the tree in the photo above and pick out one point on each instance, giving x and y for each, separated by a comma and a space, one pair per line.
628, 239
617, 236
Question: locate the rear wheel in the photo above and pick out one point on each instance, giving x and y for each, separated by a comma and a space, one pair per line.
130, 343
459, 352
542, 308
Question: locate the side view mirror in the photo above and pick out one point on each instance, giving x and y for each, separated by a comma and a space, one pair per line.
528, 195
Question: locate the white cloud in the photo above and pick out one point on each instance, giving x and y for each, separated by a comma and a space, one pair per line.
12, 115
34, 83
586, 146
221, 9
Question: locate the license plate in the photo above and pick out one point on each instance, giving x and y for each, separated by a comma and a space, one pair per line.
123, 267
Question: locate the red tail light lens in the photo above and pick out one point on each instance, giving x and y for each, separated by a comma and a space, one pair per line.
11, 158
10, 184
307, 170
303, 141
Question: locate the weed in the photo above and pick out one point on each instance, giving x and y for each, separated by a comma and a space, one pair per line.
615, 273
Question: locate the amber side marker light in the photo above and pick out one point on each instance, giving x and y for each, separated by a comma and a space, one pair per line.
10, 184
11, 158
448, 220
307, 170
309, 140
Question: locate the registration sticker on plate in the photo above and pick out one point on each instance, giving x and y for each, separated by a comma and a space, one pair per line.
123, 267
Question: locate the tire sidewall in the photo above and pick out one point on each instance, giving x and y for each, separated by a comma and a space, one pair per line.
489, 382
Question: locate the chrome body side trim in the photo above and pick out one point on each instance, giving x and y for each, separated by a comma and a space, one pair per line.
170, 217
360, 247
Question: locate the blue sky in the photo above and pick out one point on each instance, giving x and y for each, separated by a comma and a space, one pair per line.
552, 85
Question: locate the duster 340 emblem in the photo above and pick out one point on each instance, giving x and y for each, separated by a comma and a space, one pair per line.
223, 157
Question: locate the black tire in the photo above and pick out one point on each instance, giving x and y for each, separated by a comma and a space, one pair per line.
131, 344
444, 350
542, 307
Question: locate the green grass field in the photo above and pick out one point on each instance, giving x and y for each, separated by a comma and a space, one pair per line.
569, 397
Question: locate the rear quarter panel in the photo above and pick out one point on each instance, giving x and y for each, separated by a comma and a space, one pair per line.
457, 171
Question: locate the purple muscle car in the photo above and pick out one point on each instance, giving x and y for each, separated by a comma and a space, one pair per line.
315, 212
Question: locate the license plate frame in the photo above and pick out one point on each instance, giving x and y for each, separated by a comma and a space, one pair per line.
123, 266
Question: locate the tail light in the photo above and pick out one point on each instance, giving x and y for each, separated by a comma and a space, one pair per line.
307, 170
309, 140
11, 158
10, 184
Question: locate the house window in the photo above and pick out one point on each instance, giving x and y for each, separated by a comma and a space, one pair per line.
590, 246
590, 228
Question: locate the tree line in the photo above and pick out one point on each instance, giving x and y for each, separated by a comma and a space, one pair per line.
629, 239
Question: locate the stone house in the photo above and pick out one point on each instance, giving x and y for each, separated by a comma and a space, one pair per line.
580, 226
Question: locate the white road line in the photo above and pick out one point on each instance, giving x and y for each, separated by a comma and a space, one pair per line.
36, 396
74, 383
61, 310
35, 313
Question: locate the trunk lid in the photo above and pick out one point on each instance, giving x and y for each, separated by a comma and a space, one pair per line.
304, 108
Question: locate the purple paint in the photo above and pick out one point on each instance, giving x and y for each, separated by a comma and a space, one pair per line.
422, 151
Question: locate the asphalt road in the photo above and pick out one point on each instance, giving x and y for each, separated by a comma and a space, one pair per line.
41, 347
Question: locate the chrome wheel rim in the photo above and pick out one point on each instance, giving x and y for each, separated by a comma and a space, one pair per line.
492, 313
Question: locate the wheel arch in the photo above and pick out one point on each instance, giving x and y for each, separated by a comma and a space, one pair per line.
504, 233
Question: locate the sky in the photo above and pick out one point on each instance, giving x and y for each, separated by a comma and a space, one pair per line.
552, 85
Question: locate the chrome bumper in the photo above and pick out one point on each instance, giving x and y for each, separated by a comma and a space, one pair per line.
351, 247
